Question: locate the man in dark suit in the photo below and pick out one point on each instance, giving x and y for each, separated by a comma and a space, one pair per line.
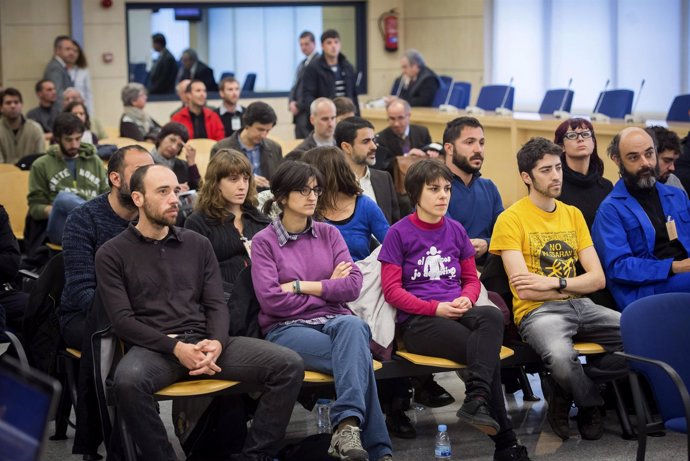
355, 136
307, 43
401, 137
419, 82
193, 69
164, 70
56, 71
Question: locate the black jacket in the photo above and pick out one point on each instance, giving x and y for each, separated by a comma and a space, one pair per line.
9, 249
271, 152
390, 145
584, 192
386, 197
203, 73
163, 73
319, 81
421, 92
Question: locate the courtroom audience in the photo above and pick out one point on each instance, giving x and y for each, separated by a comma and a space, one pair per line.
300, 114
135, 122
322, 117
81, 76
344, 108
230, 110
193, 69
584, 185
668, 152
400, 138
80, 110
47, 108
58, 68
164, 68
419, 83
19, 136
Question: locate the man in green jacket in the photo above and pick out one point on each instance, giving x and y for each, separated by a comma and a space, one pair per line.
68, 175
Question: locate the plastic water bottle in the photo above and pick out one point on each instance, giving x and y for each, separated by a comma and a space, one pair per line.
442, 448
323, 416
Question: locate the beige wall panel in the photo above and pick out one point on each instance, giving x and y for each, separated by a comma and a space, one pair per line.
104, 38
94, 13
448, 40
36, 12
27, 50
443, 8
107, 103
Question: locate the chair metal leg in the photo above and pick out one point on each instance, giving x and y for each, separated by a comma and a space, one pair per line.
527, 393
623, 417
128, 448
62, 414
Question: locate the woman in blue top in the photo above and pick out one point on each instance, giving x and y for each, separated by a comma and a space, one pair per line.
342, 204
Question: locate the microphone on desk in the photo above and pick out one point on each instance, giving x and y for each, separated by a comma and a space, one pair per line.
596, 116
560, 113
445, 107
630, 118
502, 110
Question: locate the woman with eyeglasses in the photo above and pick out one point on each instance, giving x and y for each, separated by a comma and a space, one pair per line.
584, 186
343, 205
225, 212
303, 276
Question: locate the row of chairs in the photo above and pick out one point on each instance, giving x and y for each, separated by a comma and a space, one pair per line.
613, 103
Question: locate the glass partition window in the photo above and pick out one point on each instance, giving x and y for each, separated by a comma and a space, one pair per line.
239, 40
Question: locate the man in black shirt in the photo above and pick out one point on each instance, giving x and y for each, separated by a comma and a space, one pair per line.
162, 291
230, 111
642, 229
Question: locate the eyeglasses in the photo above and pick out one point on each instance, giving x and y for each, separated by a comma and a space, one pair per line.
306, 191
572, 135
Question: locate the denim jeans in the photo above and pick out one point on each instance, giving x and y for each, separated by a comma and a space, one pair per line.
277, 371
475, 340
341, 347
64, 203
551, 330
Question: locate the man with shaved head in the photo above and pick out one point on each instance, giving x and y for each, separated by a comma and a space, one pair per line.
322, 117
642, 229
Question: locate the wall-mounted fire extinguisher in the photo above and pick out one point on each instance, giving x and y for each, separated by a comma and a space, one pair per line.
388, 25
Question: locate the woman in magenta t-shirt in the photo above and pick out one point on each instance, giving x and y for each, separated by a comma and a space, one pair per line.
428, 273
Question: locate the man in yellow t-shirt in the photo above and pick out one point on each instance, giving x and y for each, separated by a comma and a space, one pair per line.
539, 240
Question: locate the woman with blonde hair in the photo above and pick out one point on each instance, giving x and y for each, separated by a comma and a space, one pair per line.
226, 212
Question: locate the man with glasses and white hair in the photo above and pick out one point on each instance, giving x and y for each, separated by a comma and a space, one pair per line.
419, 83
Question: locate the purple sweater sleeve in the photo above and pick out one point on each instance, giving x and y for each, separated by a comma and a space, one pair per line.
345, 289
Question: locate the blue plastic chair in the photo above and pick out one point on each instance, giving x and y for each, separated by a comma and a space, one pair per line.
248, 85
137, 73
615, 103
460, 97
491, 97
554, 98
443, 85
655, 340
679, 109
226, 74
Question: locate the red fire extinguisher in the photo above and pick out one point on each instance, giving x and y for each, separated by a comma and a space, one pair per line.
388, 25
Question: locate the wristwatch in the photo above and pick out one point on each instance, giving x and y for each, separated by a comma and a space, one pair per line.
296, 288
562, 284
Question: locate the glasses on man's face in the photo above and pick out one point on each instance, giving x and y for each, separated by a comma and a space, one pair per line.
308, 190
572, 135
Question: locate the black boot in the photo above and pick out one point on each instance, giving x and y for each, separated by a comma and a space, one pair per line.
397, 422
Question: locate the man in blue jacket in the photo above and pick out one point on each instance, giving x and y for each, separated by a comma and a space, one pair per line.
642, 229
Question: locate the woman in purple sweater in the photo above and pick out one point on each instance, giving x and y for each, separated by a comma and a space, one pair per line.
303, 276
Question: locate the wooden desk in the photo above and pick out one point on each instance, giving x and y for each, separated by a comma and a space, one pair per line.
504, 137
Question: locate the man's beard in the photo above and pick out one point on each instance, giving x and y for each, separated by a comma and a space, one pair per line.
160, 219
124, 197
463, 163
637, 180
546, 192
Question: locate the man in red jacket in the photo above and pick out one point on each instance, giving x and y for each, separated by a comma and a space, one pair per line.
201, 122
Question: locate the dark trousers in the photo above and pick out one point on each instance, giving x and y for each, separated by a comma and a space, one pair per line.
12, 306
278, 371
474, 339
302, 125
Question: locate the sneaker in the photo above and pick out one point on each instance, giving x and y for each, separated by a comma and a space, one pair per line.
558, 409
589, 423
515, 453
476, 412
399, 425
431, 394
346, 445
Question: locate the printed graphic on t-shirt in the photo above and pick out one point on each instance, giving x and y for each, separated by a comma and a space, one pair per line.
553, 253
434, 265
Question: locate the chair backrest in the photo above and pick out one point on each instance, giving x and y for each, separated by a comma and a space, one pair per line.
656, 327
491, 96
462, 92
8, 167
396, 85
680, 109
249, 82
553, 101
226, 74
122, 141
13, 193
138, 73
443, 86
615, 103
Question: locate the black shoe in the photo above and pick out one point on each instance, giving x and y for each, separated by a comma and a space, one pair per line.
431, 394
92, 457
559, 408
475, 411
589, 423
399, 425
515, 453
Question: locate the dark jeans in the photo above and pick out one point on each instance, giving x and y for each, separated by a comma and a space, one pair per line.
12, 306
276, 370
475, 340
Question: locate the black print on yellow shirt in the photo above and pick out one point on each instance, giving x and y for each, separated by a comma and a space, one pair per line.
557, 259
